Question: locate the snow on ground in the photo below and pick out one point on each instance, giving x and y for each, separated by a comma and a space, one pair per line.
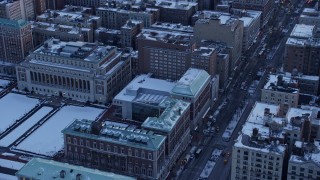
11, 164
20, 130
4, 83
13, 107
48, 139
7, 177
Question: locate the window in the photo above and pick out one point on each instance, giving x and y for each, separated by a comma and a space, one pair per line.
94, 145
149, 172
108, 148
136, 153
101, 146
88, 143
115, 148
150, 156
69, 140
74, 141
81, 142
142, 154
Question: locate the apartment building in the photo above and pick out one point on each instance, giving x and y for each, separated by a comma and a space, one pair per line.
129, 31
281, 89
106, 36
114, 16
15, 44
226, 29
204, 58
266, 7
86, 3
171, 27
195, 86
260, 151
78, 70
302, 51
42, 31
310, 16
251, 26
304, 163
39, 168
177, 11
66, 25
17, 9
165, 54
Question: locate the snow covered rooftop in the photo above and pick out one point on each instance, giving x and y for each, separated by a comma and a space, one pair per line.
204, 51
191, 82
124, 135
260, 115
205, 16
65, 17
302, 31
244, 141
169, 117
39, 168
172, 27
287, 84
144, 85
166, 36
186, 5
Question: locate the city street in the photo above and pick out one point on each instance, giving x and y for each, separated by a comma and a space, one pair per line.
239, 97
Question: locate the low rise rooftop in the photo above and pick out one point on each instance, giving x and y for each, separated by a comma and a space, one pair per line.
179, 38
184, 5
145, 89
39, 168
302, 31
172, 27
116, 133
282, 83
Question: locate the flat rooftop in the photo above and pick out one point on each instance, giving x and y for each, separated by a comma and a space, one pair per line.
80, 50
145, 89
39, 168
179, 38
286, 86
302, 31
172, 27
256, 119
185, 5
117, 133
205, 16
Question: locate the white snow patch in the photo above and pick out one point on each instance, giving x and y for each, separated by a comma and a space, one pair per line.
4, 83
7, 177
11, 164
19, 131
48, 139
13, 107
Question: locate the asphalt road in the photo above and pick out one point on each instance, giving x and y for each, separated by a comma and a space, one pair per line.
237, 96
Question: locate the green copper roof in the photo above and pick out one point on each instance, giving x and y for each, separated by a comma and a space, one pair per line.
13, 23
129, 136
191, 82
168, 119
43, 169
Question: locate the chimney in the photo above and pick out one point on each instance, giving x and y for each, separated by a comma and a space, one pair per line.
96, 127
280, 80
62, 174
305, 129
255, 132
